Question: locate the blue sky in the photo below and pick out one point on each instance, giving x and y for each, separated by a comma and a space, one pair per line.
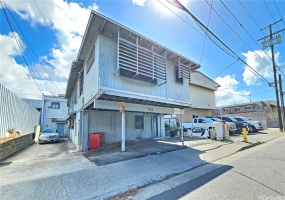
49, 56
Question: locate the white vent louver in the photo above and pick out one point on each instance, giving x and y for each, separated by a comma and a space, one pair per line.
140, 60
184, 70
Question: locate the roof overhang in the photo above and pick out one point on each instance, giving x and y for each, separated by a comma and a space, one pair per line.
142, 101
71, 116
76, 67
100, 24
114, 95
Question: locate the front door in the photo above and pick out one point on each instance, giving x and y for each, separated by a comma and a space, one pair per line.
60, 129
154, 125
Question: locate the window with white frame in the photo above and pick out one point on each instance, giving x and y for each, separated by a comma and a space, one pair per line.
237, 109
55, 105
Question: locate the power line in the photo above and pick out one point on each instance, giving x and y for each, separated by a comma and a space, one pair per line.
206, 30
51, 30
250, 15
36, 56
18, 43
269, 10
271, 13
206, 34
202, 26
180, 17
217, 44
201, 34
278, 11
246, 31
245, 94
237, 35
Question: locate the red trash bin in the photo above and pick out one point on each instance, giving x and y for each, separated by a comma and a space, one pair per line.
94, 140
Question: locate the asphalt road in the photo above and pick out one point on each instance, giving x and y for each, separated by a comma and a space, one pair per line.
40, 161
258, 175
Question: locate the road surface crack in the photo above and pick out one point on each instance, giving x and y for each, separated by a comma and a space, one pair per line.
66, 193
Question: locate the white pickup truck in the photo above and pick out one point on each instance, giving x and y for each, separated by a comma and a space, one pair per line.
200, 127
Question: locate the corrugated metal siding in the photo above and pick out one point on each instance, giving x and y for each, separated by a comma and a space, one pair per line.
108, 63
110, 123
198, 78
201, 96
35, 103
16, 113
91, 78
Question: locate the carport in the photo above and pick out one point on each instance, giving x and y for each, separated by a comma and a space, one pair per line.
124, 119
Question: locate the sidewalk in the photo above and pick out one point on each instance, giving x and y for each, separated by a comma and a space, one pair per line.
102, 182
111, 153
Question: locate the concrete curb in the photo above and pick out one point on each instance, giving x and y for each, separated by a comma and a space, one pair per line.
152, 181
147, 182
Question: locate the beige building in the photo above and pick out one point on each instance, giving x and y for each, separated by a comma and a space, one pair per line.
263, 111
202, 96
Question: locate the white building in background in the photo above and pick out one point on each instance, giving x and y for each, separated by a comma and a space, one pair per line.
53, 112
116, 64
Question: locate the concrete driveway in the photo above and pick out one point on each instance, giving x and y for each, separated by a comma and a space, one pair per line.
111, 153
39, 161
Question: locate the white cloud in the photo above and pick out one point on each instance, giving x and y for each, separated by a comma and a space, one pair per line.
262, 64
17, 77
68, 21
227, 94
139, 2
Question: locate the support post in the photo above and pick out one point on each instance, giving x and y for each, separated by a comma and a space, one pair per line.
181, 125
123, 131
282, 100
271, 44
181, 128
42, 112
275, 80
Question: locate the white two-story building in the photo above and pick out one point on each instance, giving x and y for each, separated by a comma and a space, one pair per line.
123, 83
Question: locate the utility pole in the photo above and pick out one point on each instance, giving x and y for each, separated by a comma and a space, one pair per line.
282, 100
271, 44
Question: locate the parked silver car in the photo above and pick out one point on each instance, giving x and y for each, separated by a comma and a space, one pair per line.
49, 135
254, 126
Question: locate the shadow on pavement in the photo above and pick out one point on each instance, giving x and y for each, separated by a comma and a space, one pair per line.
192, 185
111, 153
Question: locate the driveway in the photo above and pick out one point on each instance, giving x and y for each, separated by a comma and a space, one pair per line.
111, 153
39, 161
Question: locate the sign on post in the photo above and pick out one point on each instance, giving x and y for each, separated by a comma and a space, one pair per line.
177, 111
122, 106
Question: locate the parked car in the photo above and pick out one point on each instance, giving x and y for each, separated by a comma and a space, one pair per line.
48, 135
199, 127
239, 125
254, 126
231, 125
